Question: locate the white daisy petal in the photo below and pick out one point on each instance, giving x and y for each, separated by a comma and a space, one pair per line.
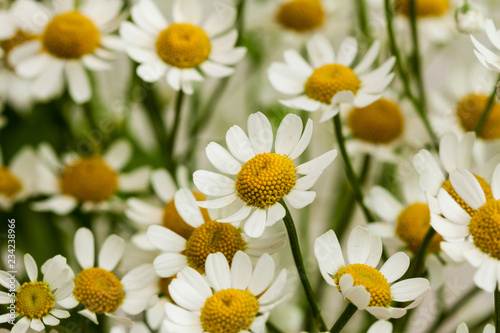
486, 276
223, 18
294, 60
275, 290
94, 63
84, 247
65, 290
368, 59
381, 326
395, 267
139, 278
229, 57
299, 199
317, 164
468, 188
118, 154
451, 209
262, 276
135, 36
174, 78
303, 142
285, 80
111, 252
275, 213
163, 185
143, 212
147, 15
347, 51
186, 11
256, 223
78, 82
21, 326
213, 69
301, 103
495, 183
169, 264
51, 321
181, 316
37, 324
240, 215
384, 204
221, 159
288, 134
33, 66
447, 229
90, 315
197, 281
363, 247
239, 144
260, 133
329, 255
320, 51
31, 268
410, 289
219, 202
217, 270
241, 271
213, 184
357, 295
185, 204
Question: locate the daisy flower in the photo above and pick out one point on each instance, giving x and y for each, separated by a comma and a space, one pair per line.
179, 51
93, 181
236, 299
462, 328
206, 237
37, 302
476, 237
488, 58
99, 290
301, 15
71, 41
264, 178
330, 80
360, 282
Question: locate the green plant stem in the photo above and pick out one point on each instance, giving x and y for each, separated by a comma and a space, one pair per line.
497, 309
173, 132
416, 55
344, 318
272, 328
299, 263
363, 20
486, 111
351, 175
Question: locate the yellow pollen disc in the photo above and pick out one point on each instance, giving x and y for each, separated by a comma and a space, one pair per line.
173, 221
328, 80
413, 223
379, 122
98, 290
485, 228
301, 15
374, 282
229, 311
212, 237
425, 8
9, 184
34, 300
183, 45
451, 191
89, 179
265, 179
70, 36
470, 110
19, 38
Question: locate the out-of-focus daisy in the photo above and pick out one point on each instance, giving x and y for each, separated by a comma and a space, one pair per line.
264, 178
469, 20
37, 302
361, 282
236, 299
488, 58
18, 179
462, 328
476, 237
207, 236
71, 41
99, 290
301, 15
330, 80
92, 181
179, 51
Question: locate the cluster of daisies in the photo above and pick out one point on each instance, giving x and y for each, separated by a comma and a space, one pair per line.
218, 242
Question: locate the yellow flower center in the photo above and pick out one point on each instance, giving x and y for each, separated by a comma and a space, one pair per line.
98, 290
9, 184
485, 228
265, 179
328, 80
34, 300
183, 45
379, 122
451, 191
301, 15
425, 8
413, 223
212, 237
229, 311
89, 179
173, 221
471, 108
19, 38
370, 278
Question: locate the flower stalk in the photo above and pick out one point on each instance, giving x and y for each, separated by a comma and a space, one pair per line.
344, 318
487, 110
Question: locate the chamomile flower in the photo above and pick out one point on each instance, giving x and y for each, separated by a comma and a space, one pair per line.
72, 40
37, 302
301, 15
330, 80
462, 328
93, 181
236, 299
264, 178
206, 237
179, 51
360, 282
488, 58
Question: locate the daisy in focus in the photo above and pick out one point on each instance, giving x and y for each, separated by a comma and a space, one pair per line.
38, 302
236, 299
179, 51
330, 80
360, 282
72, 41
93, 181
263, 178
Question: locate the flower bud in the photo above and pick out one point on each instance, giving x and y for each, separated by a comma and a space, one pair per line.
469, 20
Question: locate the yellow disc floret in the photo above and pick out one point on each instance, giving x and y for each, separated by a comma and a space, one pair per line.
229, 311
9, 184
379, 122
89, 179
34, 300
328, 80
183, 45
485, 228
265, 179
70, 36
451, 191
370, 278
212, 237
425, 8
470, 110
413, 223
301, 15
98, 290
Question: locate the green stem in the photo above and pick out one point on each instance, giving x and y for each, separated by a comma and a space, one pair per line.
416, 55
344, 318
486, 111
363, 20
173, 132
497, 309
351, 175
422, 253
299, 263
272, 328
